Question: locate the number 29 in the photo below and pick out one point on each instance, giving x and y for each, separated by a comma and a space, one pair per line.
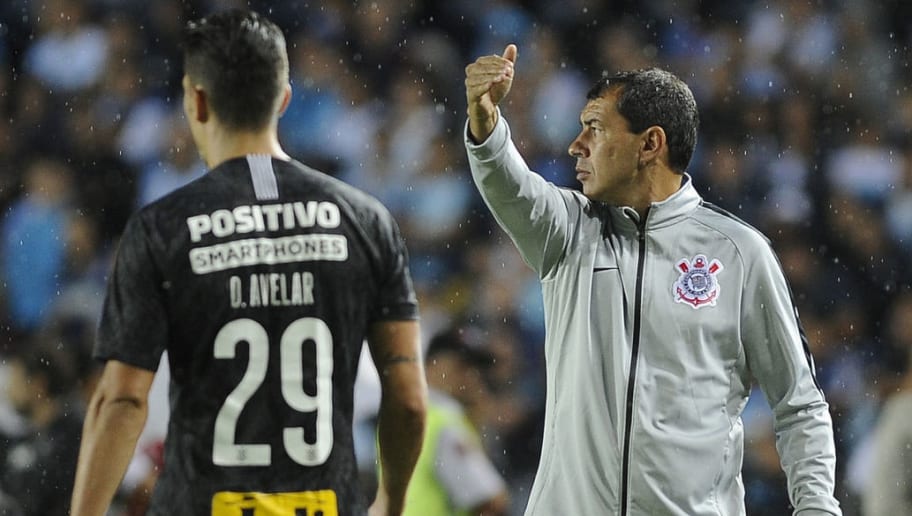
225, 449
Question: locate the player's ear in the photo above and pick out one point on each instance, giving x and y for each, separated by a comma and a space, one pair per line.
195, 107
200, 104
286, 99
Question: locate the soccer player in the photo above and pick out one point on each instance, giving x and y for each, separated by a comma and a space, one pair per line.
261, 280
660, 312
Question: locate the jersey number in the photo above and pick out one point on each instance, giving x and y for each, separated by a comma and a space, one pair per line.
225, 450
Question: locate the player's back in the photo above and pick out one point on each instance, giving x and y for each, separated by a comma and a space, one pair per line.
270, 275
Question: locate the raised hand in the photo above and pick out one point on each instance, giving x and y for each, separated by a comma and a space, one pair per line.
488, 81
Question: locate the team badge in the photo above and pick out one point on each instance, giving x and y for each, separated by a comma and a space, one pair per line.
697, 285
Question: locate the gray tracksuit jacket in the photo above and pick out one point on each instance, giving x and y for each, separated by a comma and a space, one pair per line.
655, 330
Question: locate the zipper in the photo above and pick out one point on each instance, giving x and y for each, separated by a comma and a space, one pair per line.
634, 356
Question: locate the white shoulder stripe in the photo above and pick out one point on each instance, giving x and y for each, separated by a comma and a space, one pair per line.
263, 176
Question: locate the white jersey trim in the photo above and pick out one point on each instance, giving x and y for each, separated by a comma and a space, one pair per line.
264, 180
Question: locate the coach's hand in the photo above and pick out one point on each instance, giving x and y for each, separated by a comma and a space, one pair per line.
488, 80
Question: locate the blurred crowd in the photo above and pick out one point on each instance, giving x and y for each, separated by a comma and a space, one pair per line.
806, 116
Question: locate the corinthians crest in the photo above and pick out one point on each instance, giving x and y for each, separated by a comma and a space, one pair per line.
697, 285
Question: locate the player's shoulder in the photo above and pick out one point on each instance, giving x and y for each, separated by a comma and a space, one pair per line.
231, 180
356, 202
168, 210
335, 186
747, 238
179, 197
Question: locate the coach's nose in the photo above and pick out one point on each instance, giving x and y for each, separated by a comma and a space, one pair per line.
577, 149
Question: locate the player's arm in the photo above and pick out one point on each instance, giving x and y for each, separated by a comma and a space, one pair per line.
396, 350
114, 420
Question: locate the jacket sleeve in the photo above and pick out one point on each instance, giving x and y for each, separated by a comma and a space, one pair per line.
778, 356
888, 490
537, 215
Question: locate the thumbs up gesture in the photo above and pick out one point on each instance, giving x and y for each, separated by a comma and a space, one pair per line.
488, 80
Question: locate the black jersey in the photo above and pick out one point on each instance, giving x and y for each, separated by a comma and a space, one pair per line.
260, 280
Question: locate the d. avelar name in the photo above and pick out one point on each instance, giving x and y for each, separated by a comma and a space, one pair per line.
273, 289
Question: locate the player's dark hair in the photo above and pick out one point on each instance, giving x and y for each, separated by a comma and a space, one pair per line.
240, 59
651, 97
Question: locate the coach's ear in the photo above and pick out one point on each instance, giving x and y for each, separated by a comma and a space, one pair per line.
654, 144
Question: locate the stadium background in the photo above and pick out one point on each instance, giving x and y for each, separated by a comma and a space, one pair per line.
806, 115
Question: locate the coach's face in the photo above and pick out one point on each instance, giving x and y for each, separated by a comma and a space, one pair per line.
606, 152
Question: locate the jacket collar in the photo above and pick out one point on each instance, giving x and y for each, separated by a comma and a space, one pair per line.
676, 207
